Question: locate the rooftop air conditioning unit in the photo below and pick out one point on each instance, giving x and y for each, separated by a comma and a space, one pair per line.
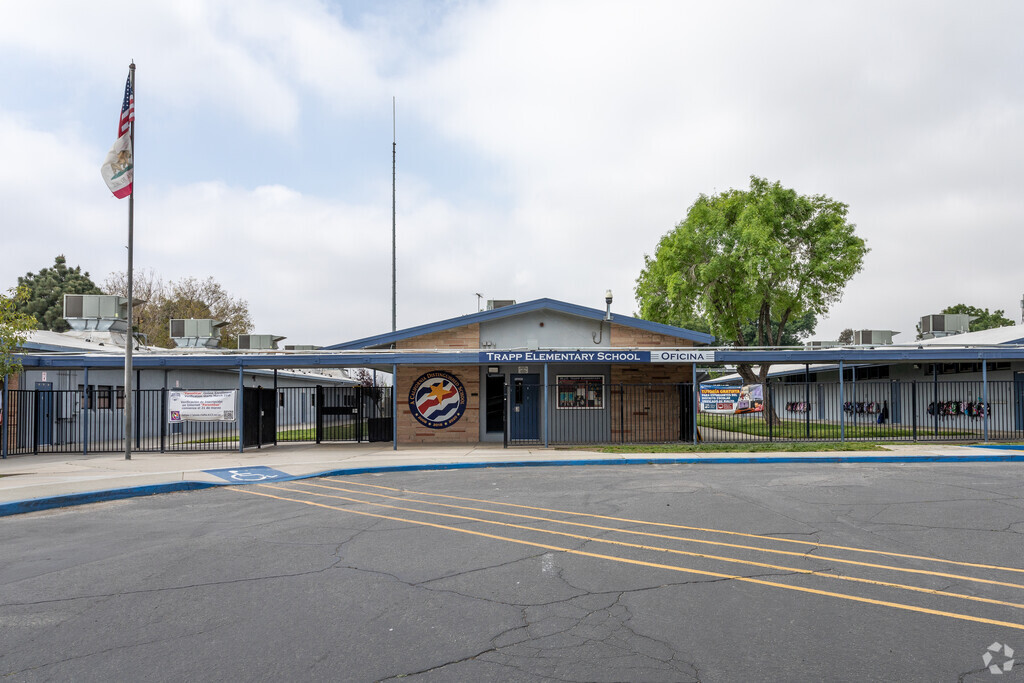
499, 303
944, 324
102, 312
258, 342
196, 332
873, 337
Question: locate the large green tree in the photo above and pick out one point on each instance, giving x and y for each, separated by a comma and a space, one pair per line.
46, 290
14, 329
983, 320
766, 256
157, 304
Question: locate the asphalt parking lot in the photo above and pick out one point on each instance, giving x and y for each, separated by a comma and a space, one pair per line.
628, 573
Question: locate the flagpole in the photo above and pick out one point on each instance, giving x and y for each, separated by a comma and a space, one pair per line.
130, 341
394, 144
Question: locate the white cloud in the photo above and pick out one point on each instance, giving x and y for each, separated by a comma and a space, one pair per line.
600, 122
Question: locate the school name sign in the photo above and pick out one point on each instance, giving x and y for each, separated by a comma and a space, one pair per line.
602, 356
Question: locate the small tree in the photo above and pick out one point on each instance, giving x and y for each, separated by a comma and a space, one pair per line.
46, 289
189, 297
764, 257
14, 329
983, 320
147, 291
846, 336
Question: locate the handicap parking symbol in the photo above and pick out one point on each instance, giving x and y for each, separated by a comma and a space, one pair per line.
248, 475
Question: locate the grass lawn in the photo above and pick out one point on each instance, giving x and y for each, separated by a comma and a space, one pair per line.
335, 433
826, 431
804, 447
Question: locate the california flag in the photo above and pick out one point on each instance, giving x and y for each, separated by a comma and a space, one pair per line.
117, 167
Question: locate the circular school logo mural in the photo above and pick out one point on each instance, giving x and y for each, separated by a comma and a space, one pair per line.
437, 399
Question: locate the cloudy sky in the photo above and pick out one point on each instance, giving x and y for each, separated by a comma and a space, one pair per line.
543, 147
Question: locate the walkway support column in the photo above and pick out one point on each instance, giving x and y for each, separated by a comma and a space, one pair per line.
85, 411
5, 413
842, 406
394, 407
241, 413
984, 395
546, 443
695, 399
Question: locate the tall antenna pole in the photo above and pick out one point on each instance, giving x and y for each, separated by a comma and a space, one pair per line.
131, 337
394, 147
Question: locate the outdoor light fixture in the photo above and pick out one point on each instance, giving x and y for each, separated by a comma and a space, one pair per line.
608, 304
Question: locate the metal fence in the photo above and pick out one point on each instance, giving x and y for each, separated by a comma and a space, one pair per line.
318, 414
76, 421
804, 411
65, 421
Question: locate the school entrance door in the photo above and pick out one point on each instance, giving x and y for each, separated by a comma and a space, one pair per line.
524, 408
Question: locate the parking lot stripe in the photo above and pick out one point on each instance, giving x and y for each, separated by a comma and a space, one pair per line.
925, 558
655, 565
720, 558
829, 558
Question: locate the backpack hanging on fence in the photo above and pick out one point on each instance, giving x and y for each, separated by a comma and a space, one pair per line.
883, 414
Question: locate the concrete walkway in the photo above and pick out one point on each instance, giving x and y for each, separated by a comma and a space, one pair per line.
37, 482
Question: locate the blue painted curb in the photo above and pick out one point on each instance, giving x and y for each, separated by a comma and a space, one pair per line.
672, 461
67, 500
18, 507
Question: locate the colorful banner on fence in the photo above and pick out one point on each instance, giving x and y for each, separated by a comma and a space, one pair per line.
201, 406
729, 398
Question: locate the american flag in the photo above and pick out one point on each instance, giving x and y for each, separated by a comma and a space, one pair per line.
127, 108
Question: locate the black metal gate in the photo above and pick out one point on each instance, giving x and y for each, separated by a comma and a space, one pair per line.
260, 417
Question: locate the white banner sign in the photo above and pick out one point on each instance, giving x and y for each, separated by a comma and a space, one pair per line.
201, 406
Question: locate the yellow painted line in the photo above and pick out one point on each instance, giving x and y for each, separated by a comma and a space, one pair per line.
571, 551
810, 572
697, 528
908, 570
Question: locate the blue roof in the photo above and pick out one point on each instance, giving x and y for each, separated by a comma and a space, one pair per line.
518, 309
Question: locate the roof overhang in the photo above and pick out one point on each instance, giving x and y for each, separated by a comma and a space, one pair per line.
386, 359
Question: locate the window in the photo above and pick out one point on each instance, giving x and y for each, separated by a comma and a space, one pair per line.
120, 398
868, 372
280, 399
581, 391
103, 394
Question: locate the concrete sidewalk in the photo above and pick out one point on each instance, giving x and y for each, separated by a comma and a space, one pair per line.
37, 482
